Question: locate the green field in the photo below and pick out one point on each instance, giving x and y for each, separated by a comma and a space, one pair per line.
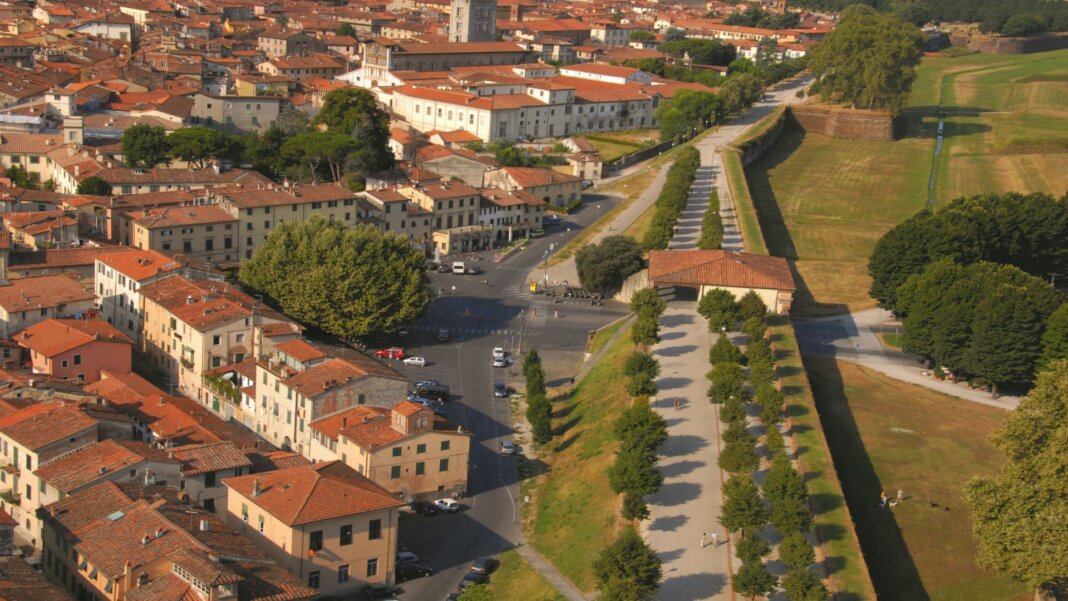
614, 144
824, 202
575, 513
516, 579
888, 435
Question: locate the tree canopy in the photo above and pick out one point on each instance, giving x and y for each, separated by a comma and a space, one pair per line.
629, 559
1018, 514
355, 113
348, 282
991, 14
603, 267
94, 186
145, 146
200, 145
702, 52
868, 61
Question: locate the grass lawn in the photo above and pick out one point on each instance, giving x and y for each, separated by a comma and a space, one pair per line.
886, 435
752, 237
824, 202
605, 334
516, 579
575, 513
892, 341
830, 514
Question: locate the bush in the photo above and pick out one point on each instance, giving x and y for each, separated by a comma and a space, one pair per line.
719, 308
795, 552
634, 507
754, 328
728, 380
633, 472
711, 226
645, 331
737, 431
773, 442
603, 267
641, 429
672, 199
739, 458
723, 351
782, 482
641, 385
759, 351
803, 585
770, 399
639, 363
791, 515
539, 414
733, 410
648, 302
743, 508
751, 306
761, 373
753, 549
631, 561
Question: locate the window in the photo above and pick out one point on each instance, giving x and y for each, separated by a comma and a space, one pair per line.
445, 445
216, 339
209, 479
315, 543
313, 579
345, 535
29, 492
396, 451
443, 465
420, 448
372, 567
374, 530
394, 472
62, 363
77, 359
343, 573
29, 462
420, 468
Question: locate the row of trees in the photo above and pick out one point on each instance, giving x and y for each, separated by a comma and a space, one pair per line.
993, 16
628, 569
783, 502
648, 306
754, 16
539, 407
693, 108
672, 199
986, 322
602, 268
711, 225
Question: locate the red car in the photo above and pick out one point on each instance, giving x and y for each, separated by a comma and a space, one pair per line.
390, 353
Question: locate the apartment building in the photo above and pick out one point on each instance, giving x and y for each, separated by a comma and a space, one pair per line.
454, 206
158, 179
554, 188
117, 280
398, 214
42, 230
381, 57
203, 468
30, 300
31, 438
287, 42
312, 65
512, 215
236, 114
76, 348
204, 232
332, 527
299, 383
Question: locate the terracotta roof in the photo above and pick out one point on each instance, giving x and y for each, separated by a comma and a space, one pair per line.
301, 350
600, 69
719, 268
97, 461
139, 265
203, 304
336, 372
159, 175
529, 177
332, 424
270, 461
178, 216
54, 336
42, 291
19, 581
408, 408
456, 47
212, 457
45, 423
305, 495
168, 587
60, 257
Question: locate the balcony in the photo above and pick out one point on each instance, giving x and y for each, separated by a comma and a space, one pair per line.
223, 387
11, 497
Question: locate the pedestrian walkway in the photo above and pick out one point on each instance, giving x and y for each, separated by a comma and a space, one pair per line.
556, 579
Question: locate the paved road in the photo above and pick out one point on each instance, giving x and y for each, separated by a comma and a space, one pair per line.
480, 317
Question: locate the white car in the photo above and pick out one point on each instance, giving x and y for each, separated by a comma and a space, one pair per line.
506, 447
416, 361
448, 505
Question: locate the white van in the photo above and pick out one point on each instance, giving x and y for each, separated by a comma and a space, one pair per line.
458, 267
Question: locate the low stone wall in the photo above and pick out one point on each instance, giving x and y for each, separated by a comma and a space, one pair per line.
838, 122
999, 45
757, 139
634, 283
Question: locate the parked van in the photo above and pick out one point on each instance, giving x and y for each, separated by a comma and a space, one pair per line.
458, 267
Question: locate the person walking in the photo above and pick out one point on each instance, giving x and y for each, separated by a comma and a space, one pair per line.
678, 403
704, 538
900, 495
715, 540
882, 499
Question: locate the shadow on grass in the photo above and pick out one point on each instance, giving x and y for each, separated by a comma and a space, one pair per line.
893, 570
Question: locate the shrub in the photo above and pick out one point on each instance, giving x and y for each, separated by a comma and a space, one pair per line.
795, 552
645, 331
723, 351
711, 225
672, 198
738, 458
634, 507
751, 306
753, 548
733, 410
648, 301
754, 328
719, 308
603, 267
773, 442
629, 560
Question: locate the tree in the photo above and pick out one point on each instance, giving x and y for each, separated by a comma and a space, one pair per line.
642, 36
144, 146
625, 589
534, 374
355, 113
291, 121
732, 410
347, 281
752, 549
531, 363
738, 92
1018, 514
795, 552
711, 225
648, 301
868, 61
641, 429
901, 252
725, 352
639, 363
1007, 324
719, 308
633, 471
738, 458
689, 108
199, 145
345, 29
701, 52
314, 148
754, 580
751, 306
912, 12
754, 329
1025, 24
791, 514
803, 585
728, 381
22, 178
603, 267
782, 481
674, 34
1055, 338
645, 331
738, 431
629, 559
94, 186
743, 508
770, 400
539, 415
773, 442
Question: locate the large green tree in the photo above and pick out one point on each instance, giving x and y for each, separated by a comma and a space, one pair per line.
199, 145
94, 186
868, 61
1018, 515
648, 302
743, 509
753, 580
719, 308
603, 267
1055, 339
347, 281
145, 146
629, 559
354, 112
318, 148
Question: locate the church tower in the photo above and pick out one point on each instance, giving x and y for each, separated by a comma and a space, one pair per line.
473, 21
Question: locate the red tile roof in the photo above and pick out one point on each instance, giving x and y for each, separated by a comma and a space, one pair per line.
42, 291
54, 336
139, 265
301, 350
305, 495
332, 424
97, 461
21, 582
212, 457
60, 257
528, 177
719, 268
45, 423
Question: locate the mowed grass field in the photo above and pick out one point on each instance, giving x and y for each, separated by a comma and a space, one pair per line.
887, 435
575, 513
824, 202
1006, 125
517, 579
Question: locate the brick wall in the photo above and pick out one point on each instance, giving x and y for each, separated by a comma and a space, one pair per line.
999, 45
856, 124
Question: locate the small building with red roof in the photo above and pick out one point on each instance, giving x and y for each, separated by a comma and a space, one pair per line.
738, 273
76, 348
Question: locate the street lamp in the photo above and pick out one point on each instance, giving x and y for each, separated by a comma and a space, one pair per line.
549, 252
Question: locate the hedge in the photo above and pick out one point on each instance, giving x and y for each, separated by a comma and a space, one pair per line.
672, 198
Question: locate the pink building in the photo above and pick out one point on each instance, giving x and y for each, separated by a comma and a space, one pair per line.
76, 348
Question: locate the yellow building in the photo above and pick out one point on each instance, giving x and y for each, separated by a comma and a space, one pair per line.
333, 528
455, 208
205, 232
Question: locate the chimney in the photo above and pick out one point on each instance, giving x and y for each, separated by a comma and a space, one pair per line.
103, 470
255, 487
204, 527
159, 532
162, 401
145, 539
344, 422
189, 300
150, 476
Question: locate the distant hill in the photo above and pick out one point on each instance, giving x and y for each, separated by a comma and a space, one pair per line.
1013, 17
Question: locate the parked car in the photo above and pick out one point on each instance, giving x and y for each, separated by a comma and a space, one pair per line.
472, 270
393, 352
500, 358
484, 565
436, 392
469, 579
500, 391
506, 447
416, 361
587, 184
443, 335
443, 268
402, 331
453, 597
425, 508
448, 505
537, 233
408, 571
407, 557
458, 267
377, 593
